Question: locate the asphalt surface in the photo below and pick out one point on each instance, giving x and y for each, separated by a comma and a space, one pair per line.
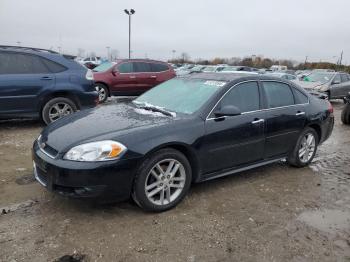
274, 213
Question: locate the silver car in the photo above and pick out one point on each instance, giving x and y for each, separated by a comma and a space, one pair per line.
335, 84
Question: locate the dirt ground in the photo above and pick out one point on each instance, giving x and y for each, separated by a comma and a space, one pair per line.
275, 213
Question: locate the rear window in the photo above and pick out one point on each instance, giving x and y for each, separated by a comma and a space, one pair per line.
141, 67
53, 66
300, 98
278, 94
155, 67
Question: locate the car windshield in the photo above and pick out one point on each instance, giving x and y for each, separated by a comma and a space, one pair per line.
209, 69
322, 77
180, 95
229, 69
103, 67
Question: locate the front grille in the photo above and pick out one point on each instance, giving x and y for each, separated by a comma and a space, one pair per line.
40, 175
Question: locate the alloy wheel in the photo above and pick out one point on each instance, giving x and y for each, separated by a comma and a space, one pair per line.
307, 148
59, 110
101, 93
165, 182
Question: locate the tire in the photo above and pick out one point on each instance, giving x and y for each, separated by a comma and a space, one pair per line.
345, 115
103, 92
148, 175
56, 104
295, 158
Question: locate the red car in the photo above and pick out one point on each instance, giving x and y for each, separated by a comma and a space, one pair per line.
130, 77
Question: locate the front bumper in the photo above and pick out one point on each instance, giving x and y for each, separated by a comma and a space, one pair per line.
110, 180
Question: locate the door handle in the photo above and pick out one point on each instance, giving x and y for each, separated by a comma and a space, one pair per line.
46, 78
300, 113
153, 76
257, 121
132, 77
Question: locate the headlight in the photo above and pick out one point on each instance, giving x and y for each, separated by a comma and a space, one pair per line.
96, 151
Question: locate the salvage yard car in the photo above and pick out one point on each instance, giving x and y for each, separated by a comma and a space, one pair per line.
130, 77
183, 131
335, 84
39, 83
345, 114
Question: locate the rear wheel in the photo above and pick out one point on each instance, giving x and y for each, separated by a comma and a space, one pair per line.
305, 148
57, 108
102, 92
162, 180
345, 115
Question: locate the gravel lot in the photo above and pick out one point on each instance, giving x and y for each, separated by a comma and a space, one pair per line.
275, 213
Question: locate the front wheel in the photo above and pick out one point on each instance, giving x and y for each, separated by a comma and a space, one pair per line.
305, 149
162, 180
57, 108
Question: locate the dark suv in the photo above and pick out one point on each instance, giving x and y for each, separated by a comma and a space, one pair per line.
130, 77
39, 83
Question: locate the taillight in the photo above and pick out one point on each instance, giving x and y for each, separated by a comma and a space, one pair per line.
330, 108
89, 75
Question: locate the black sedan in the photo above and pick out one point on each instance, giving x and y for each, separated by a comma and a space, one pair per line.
183, 131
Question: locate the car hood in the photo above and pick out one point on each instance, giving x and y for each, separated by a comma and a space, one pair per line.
309, 85
105, 122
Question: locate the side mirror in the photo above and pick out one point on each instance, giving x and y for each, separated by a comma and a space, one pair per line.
227, 111
335, 82
115, 71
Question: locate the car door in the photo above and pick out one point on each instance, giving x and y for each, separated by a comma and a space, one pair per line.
285, 118
160, 73
144, 79
341, 88
22, 78
234, 141
123, 80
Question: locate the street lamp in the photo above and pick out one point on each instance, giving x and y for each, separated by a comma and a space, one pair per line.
129, 13
108, 52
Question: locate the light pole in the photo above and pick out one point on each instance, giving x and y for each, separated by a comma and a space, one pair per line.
108, 52
173, 51
129, 13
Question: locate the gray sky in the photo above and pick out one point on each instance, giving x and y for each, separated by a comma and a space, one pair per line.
288, 29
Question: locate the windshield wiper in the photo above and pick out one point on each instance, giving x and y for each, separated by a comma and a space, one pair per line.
156, 109
152, 108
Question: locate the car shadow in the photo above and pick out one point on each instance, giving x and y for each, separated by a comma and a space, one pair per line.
21, 123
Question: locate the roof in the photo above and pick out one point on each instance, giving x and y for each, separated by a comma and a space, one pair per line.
25, 48
228, 77
140, 60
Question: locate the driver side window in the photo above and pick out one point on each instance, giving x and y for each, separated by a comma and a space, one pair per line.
244, 96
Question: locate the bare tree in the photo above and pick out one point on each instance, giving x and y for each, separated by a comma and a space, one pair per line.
185, 57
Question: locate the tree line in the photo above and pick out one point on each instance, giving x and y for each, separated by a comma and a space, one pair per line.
260, 62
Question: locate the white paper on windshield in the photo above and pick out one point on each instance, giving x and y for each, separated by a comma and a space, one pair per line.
214, 83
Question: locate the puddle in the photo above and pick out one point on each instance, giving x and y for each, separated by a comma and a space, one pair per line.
26, 179
329, 221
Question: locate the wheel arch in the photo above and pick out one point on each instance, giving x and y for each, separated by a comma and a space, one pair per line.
187, 151
318, 130
62, 93
106, 85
